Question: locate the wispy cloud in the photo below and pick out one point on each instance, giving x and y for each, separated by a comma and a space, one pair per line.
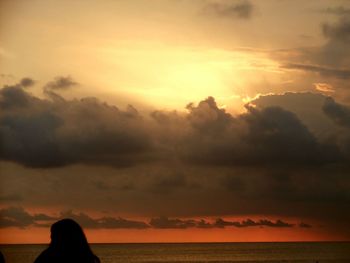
229, 9
325, 71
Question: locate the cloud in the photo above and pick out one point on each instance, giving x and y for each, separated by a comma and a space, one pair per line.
329, 61
307, 106
266, 136
278, 223
221, 223
61, 83
15, 216
229, 9
176, 223
339, 31
111, 222
250, 223
283, 151
167, 223
324, 71
18, 217
104, 222
13, 97
338, 113
339, 10
27, 82
279, 135
206, 117
335, 52
57, 132
324, 87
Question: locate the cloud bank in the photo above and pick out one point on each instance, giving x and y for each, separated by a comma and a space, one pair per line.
56, 132
18, 217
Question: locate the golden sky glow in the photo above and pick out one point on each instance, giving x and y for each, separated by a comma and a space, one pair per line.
163, 54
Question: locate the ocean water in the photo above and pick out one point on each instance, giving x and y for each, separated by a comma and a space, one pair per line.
201, 252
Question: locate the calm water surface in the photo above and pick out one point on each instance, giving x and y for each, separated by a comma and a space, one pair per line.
200, 252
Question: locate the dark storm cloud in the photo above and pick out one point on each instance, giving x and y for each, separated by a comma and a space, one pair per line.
229, 9
58, 132
278, 135
284, 156
340, 114
206, 117
324, 71
61, 83
269, 136
13, 97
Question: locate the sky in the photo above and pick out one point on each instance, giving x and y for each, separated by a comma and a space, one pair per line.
175, 120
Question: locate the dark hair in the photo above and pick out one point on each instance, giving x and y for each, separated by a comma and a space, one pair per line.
68, 244
2, 259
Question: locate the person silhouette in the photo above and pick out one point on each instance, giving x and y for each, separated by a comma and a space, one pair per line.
2, 259
68, 244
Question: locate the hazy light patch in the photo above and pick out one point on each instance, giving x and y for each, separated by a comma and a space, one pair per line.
248, 99
324, 87
171, 76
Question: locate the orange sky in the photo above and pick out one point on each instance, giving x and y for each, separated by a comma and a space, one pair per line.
254, 234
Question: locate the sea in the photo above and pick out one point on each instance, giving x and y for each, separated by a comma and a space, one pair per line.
310, 252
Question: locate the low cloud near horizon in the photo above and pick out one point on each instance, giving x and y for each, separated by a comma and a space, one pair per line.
18, 217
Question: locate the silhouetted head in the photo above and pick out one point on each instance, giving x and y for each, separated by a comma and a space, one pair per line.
69, 241
67, 233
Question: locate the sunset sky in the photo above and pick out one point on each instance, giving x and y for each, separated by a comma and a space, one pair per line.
175, 120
